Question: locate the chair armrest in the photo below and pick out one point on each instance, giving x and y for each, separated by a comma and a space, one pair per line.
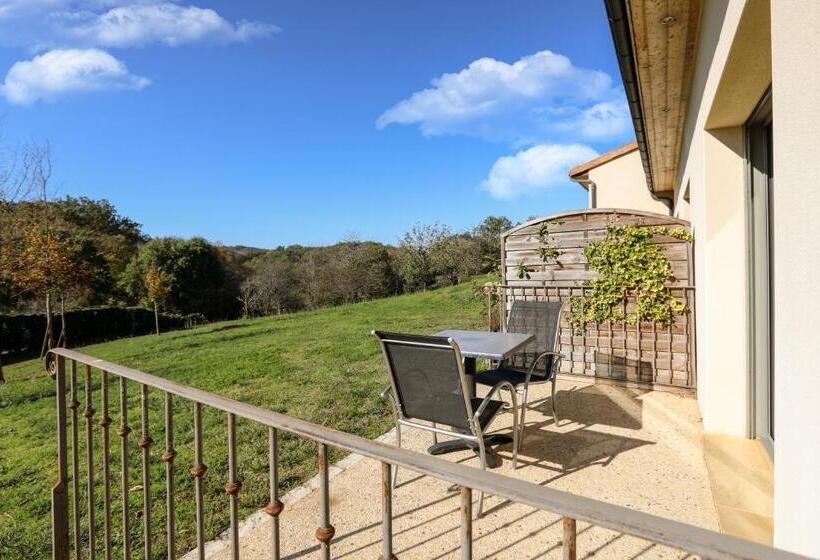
540, 357
497, 387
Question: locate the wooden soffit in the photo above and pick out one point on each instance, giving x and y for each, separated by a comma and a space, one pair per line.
664, 35
588, 166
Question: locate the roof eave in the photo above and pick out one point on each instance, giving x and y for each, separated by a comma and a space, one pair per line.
617, 14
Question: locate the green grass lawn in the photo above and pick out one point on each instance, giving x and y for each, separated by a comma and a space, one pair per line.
321, 366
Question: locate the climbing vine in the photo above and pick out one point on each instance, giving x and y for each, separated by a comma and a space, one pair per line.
546, 252
629, 264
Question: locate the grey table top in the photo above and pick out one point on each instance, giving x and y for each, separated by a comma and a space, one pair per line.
486, 344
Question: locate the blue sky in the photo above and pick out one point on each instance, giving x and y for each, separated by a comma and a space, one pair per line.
301, 121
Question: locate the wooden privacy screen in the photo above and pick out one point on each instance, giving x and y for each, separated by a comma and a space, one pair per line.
646, 353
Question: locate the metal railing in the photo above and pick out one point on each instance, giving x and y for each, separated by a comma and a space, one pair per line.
651, 353
66, 493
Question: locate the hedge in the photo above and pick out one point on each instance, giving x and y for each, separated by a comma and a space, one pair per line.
23, 333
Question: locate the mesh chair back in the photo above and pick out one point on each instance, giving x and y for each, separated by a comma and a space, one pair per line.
427, 378
542, 319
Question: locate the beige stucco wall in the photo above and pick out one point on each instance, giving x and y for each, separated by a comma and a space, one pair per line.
796, 109
621, 183
744, 46
712, 164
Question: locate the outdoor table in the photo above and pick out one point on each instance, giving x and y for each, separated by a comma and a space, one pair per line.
480, 344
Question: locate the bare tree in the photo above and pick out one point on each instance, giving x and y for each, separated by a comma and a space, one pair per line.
36, 256
276, 282
15, 174
250, 293
21, 172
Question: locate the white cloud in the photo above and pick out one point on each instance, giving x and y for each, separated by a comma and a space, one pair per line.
165, 23
64, 71
535, 169
13, 8
468, 101
71, 33
608, 120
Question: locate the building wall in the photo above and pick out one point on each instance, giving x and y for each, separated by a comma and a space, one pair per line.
744, 46
712, 165
621, 183
796, 109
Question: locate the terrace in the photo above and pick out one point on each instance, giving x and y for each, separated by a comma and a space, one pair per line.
622, 474
634, 448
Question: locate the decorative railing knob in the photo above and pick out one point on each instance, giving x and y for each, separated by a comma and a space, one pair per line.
168, 455
198, 471
124, 431
105, 421
325, 534
233, 488
274, 508
145, 442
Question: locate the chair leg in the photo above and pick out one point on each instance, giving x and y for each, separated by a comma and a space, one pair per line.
521, 422
552, 401
435, 435
398, 444
482, 453
516, 435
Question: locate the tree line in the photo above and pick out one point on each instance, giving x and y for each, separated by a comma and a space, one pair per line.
73, 252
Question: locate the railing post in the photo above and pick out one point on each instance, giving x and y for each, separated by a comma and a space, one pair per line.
325, 531
59, 492
466, 523
74, 405
88, 413
105, 422
197, 472
145, 442
123, 432
274, 507
387, 513
569, 539
233, 487
168, 456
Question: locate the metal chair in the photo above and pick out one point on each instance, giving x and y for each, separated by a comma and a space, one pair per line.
428, 384
543, 320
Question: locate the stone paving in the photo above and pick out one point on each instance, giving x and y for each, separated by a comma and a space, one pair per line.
636, 448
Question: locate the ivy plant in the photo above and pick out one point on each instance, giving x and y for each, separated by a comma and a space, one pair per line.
630, 265
523, 271
546, 252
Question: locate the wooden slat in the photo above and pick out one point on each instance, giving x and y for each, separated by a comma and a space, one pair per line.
570, 234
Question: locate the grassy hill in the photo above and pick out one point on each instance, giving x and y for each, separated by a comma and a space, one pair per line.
321, 366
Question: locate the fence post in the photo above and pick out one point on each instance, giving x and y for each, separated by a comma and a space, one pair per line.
569, 539
387, 513
59, 492
466, 523
275, 506
325, 532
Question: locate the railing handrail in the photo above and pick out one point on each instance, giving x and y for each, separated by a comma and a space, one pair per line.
617, 518
555, 285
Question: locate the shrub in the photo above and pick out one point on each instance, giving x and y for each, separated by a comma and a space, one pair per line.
23, 333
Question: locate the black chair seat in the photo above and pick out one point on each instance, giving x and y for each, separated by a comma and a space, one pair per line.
516, 377
489, 412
